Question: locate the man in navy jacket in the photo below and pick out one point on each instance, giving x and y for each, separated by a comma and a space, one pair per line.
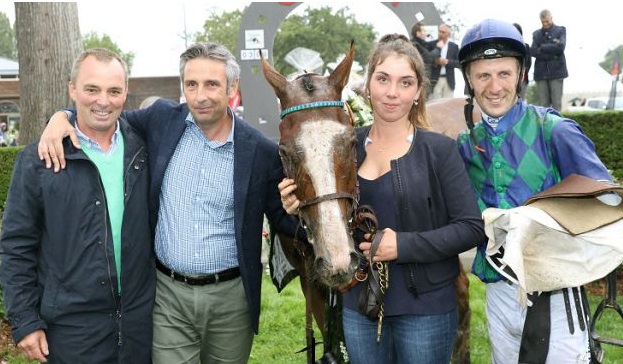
77, 260
550, 64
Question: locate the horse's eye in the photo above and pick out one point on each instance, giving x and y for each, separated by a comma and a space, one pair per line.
288, 153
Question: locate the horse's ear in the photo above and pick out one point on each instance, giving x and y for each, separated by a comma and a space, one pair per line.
274, 78
339, 77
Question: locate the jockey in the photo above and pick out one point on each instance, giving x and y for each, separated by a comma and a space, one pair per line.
515, 151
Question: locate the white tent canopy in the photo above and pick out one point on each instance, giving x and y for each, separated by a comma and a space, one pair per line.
8, 67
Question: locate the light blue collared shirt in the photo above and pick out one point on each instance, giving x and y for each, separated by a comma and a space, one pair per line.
93, 145
195, 229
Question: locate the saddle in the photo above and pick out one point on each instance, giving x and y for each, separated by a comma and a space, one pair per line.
573, 203
542, 245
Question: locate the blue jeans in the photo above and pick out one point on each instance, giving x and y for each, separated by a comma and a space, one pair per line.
427, 339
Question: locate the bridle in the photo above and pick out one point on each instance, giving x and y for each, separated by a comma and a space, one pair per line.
352, 196
355, 220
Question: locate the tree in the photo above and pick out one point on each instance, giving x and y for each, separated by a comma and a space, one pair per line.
8, 47
93, 40
612, 61
222, 28
455, 21
48, 41
309, 30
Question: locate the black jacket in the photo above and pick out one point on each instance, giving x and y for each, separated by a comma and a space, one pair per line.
429, 54
548, 50
453, 62
58, 265
436, 207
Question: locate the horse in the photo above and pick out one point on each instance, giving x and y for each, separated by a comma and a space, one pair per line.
317, 150
316, 146
447, 115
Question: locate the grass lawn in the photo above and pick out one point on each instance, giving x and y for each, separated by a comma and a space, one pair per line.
282, 326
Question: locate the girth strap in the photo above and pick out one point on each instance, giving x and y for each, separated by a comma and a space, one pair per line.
537, 327
536, 331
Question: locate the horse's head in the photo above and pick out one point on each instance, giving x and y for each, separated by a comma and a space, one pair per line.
317, 151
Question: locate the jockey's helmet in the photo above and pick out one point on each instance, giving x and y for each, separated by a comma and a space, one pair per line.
489, 39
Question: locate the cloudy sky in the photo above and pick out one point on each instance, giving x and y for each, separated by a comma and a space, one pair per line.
155, 32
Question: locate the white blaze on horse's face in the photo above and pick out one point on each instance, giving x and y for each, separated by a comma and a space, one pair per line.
317, 141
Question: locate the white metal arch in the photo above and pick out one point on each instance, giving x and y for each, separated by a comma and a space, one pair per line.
258, 28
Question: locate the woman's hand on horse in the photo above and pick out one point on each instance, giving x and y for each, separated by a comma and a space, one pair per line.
388, 247
288, 199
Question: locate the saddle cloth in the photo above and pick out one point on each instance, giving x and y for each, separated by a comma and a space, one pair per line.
562, 237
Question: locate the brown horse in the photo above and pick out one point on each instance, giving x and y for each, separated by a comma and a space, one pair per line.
316, 144
447, 115
317, 151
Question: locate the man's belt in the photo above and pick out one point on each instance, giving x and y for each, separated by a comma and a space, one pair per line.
223, 276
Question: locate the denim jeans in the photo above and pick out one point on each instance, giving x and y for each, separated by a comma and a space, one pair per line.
405, 339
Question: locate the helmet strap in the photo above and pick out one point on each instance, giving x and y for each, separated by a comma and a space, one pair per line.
468, 111
522, 70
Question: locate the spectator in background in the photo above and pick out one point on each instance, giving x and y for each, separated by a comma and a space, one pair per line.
4, 137
527, 65
442, 72
550, 64
419, 37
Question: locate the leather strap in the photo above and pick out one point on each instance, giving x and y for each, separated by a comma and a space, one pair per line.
565, 295
578, 308
536, 331
376, 242
374, 276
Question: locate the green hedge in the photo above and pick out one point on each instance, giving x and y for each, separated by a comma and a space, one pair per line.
605, 129
7, 156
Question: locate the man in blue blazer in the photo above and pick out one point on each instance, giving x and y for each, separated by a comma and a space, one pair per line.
213, 178
442, 71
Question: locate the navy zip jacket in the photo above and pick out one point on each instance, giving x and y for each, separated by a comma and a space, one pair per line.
58, 266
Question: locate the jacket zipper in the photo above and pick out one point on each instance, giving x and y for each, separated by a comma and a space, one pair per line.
114, 294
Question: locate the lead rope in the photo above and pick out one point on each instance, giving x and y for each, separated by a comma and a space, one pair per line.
383, 273
383, 283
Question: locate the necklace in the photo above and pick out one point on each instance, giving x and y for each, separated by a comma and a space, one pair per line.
384, 149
